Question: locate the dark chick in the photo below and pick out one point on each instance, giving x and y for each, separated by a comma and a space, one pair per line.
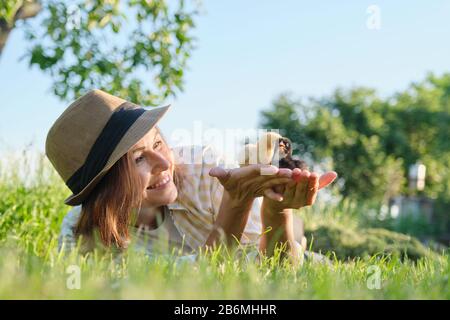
286, 160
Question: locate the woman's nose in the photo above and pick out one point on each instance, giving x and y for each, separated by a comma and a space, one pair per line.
159, 163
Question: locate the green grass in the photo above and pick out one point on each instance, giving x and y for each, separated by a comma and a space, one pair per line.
32, 268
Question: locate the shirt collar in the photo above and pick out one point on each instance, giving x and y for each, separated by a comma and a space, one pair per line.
175, 206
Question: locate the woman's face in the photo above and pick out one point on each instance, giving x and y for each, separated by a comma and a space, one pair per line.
155, 166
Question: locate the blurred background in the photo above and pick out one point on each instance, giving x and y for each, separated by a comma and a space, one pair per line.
361, 87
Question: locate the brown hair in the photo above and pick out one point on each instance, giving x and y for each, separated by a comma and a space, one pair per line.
108, 208
107, 212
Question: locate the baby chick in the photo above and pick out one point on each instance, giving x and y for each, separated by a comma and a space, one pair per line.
268, 146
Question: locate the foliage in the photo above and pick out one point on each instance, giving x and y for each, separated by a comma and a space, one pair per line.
348, 243
113, 45
352, 229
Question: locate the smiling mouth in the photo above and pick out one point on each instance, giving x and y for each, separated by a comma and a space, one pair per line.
164, 181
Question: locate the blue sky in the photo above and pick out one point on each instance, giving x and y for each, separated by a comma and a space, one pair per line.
249, 51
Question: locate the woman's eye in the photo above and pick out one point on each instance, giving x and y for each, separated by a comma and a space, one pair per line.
139, 159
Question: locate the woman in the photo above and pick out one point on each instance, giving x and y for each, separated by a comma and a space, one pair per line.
128, 184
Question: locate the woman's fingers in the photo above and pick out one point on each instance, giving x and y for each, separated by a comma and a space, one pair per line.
285, 172
326, 179
269, 193
248, 180
272, 182
220, 173
228, 176
296, 172
279, 188
313, 187
275, 188
255, 170
291, 186
247, 172
302, 184
289, 191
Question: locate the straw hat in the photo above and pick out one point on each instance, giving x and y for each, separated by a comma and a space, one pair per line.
90, 136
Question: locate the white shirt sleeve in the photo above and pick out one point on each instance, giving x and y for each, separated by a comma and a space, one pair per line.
66, 237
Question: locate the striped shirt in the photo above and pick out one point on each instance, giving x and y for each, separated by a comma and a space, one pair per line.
190, 219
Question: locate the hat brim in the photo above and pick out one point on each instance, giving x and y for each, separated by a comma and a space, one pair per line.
136, 132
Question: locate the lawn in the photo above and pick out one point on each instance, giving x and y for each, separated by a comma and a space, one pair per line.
31, 210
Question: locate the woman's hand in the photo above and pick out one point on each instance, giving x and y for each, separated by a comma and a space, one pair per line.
301, 191
277, 216
242, 186
246, 183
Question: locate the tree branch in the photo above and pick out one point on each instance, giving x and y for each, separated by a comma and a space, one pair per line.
29, 9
